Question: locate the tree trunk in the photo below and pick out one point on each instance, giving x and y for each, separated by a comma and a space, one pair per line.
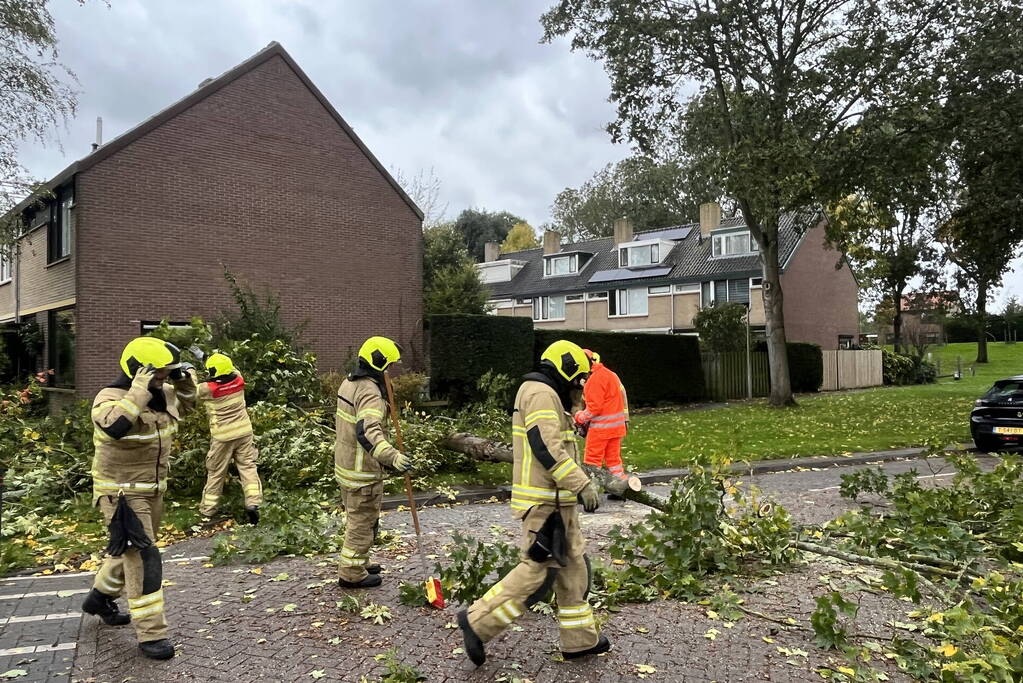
777, 350
494, 451
897, 322
982, 324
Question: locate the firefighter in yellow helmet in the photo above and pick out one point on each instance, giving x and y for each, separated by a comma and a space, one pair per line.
230, 437
546, 481
134, 421
360, 454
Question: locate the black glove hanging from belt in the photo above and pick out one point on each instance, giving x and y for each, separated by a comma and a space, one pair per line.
550, 539
126, 530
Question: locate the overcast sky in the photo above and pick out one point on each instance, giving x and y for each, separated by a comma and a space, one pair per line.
459, 86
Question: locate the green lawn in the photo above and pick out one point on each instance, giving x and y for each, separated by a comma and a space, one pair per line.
825, 424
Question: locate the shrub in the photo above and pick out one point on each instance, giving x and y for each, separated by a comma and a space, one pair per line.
465, 347
408, 388
806, 366
475, 565
896, 369
258, 315
653, 367
722, 328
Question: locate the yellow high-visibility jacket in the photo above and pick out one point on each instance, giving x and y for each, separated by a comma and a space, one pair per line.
546, 468
361, 448
133, 438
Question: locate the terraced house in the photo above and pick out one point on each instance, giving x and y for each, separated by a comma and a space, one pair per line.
656, 281
254, 172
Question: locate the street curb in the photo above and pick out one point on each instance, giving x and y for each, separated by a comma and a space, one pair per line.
474, 494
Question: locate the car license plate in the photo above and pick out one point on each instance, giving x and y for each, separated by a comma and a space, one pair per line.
1008, 430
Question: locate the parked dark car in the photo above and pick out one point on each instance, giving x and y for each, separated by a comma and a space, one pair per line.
996, 422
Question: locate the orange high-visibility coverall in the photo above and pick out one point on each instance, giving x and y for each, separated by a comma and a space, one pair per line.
607, 411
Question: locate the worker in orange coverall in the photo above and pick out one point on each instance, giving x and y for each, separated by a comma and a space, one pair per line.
605, 418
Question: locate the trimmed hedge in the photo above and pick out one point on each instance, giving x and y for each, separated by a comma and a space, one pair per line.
653, 367
806, 365
464, 347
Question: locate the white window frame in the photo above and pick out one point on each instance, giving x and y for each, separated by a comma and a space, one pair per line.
548, 265
720, 242
688, 288
569, 298
526, 301
713, 288
543, 308
593, 296
621, 299
756, 283
6, 266
659, 290
658, 250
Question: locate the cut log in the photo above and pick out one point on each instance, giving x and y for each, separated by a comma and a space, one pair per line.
495, 451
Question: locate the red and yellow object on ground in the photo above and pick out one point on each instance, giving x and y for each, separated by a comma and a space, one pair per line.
434, 592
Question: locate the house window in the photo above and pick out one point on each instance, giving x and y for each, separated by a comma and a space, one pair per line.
145, 327
627, 302
549, 308
645, 255
845, 341
60, 339
733, 244
574, 297
523, 302
5, 264
690, 288
597, 295
663, 289
554, 266
721, 291
59, 233
756, 282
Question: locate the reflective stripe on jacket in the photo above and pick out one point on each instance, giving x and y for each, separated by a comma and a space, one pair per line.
606, 402
225, 405
361, 447
545, 468
134, 442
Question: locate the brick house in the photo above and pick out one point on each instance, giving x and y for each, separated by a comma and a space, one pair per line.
656, 281
255, 172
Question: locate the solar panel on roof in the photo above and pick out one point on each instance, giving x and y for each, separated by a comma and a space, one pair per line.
627, 274
666, 234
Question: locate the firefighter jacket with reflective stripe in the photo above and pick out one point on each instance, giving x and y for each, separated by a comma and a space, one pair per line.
546, 468
362, 447
606, 403
225, 405
133, 433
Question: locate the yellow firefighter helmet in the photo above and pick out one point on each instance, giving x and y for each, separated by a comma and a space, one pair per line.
379, 352
143, 351
567, 358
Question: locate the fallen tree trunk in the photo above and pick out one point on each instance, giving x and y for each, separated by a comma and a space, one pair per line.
494, 451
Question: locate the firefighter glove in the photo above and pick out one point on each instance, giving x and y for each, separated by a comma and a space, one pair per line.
402, 462
143, 377
589, 497
179, 373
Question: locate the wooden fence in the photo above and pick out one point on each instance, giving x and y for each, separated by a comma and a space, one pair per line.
724, 375
851, 369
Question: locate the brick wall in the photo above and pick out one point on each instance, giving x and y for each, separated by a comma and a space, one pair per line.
820, 301
42, 286
257, 177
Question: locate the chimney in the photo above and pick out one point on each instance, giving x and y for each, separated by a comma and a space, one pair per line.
623, 230
710, 218
551, 242
491, 250
99, 133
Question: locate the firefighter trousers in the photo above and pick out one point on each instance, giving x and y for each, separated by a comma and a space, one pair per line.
605, 450
362, 513
242, 452
531, 582
137, 573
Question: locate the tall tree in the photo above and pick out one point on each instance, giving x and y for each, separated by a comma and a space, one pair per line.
778, 88
34, 97
984, 109
479, 226
520, 237
652, 194
451, 283
425, 190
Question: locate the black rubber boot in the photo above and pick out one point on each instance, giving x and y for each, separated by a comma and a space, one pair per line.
473, 645
253, 514
374, 568
371, 581
157, 649
603, 645
104, 607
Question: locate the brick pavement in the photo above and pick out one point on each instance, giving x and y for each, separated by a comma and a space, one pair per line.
234, 625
